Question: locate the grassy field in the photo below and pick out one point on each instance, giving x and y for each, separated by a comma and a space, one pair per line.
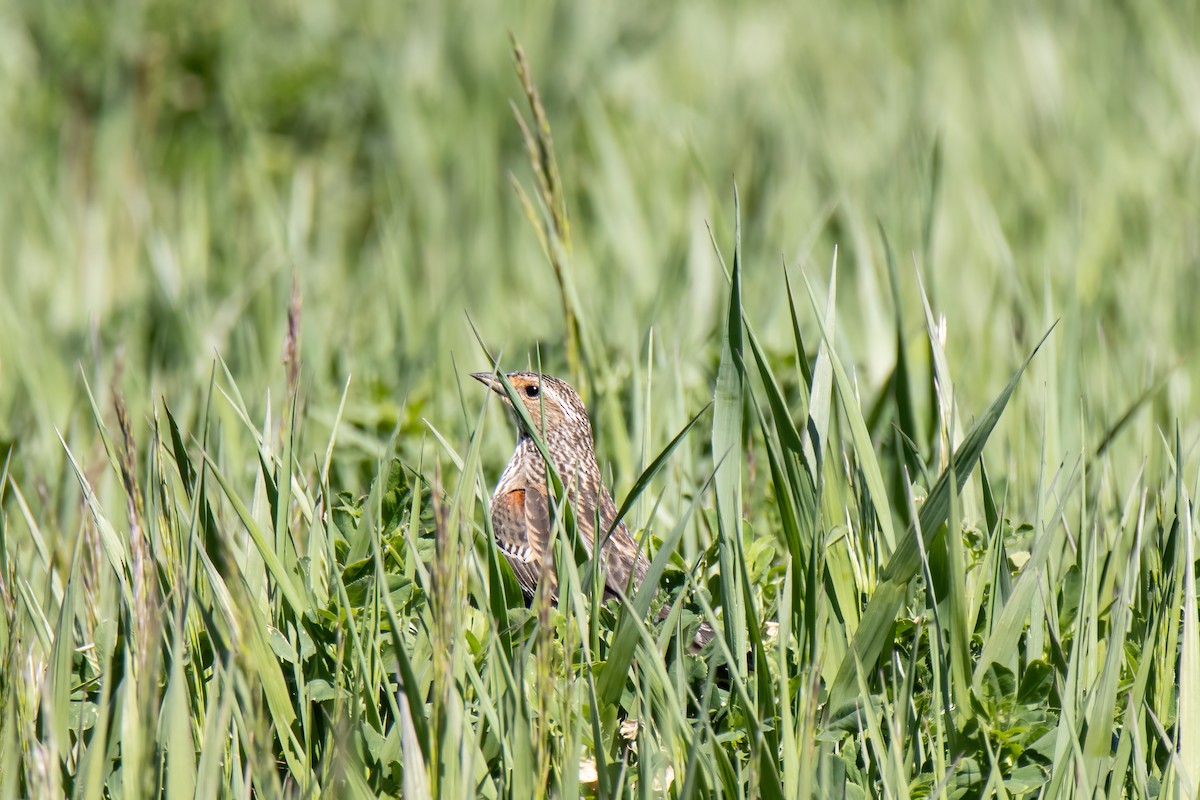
249, 253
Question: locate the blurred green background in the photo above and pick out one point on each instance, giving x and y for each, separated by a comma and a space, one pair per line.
171, 167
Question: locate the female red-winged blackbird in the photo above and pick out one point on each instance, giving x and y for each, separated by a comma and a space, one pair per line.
520, 506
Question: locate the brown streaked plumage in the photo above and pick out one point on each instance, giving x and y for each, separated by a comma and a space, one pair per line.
521, 509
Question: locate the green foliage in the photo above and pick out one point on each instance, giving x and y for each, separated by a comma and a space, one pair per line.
945, 556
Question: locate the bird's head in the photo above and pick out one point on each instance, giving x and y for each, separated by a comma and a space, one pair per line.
553, 406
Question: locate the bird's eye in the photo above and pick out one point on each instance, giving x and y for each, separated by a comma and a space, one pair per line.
531, 390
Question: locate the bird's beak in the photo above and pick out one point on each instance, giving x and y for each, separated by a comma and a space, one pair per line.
490, 380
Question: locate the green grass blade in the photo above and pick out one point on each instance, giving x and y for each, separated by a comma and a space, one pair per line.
611, 682
816, 432
863, 447
727, 450
874, 629
648, 474
268, 552
1189, 663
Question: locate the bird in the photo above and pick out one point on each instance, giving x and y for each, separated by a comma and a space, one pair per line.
521, 521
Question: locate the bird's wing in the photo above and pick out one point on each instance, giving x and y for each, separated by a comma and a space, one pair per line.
624, 558
521, 523
621, 554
